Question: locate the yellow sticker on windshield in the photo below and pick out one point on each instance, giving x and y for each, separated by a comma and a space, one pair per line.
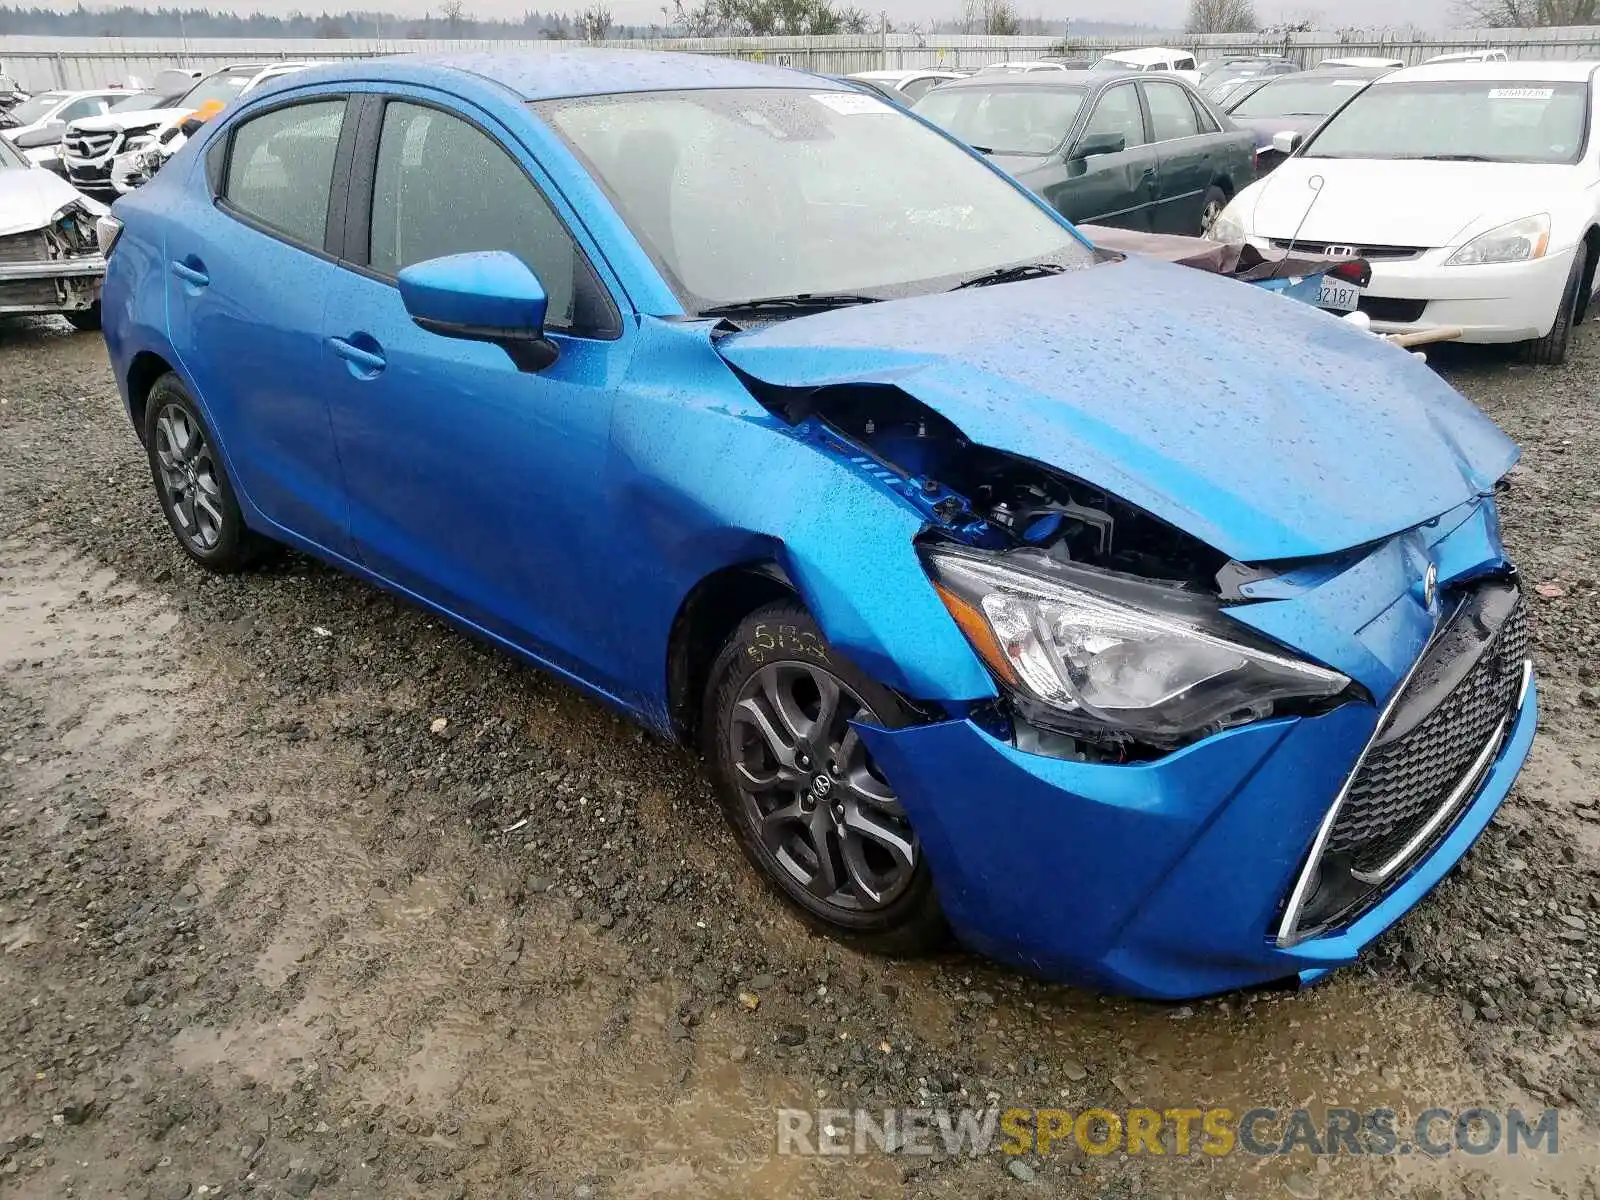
1521, 93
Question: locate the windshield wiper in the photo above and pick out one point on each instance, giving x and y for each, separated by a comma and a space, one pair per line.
1011, 275
982, 149
1453, 157
812, 301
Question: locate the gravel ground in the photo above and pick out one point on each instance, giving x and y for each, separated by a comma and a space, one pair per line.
302, 893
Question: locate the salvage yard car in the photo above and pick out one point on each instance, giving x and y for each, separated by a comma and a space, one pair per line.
1130, 151
50, 260
1051, 595
1473, 189
100, 152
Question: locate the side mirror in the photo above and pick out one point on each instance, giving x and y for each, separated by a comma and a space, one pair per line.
483, 297
1100, 143
1286, 141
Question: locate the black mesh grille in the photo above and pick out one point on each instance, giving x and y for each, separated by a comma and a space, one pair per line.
1406, 778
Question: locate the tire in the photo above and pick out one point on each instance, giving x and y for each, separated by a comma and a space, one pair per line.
1211, 207
192, 485
876, 890
85, 320
1551, 349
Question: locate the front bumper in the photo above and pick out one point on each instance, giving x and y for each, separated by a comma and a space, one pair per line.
1162, 879
1502, 302
52, 286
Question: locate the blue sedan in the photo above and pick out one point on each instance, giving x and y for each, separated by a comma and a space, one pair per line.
1139, 627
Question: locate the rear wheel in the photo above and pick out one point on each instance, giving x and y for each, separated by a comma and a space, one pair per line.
799, 788
191, 483
1551, 349
1211, 208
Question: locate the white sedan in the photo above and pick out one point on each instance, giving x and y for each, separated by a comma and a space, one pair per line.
1473, 190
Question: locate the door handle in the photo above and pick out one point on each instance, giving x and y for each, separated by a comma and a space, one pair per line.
191, 271
367, 360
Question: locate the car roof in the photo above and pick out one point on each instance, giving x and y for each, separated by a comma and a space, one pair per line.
1147, 54
579, 72
1462, 55
1042, 79
902, 73
1554, 71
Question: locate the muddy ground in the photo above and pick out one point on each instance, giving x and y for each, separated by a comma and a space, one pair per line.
263, 930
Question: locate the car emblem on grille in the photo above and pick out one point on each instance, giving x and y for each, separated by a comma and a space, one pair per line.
1430, 586
1342, 252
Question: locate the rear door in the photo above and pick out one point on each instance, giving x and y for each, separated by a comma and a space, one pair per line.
247, 276
1184, 154
1110, 189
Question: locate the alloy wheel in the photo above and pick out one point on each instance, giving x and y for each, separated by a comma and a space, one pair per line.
1209, 215
818, 807
189, 480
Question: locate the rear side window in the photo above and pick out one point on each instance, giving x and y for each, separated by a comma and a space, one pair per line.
444, 187
1208, 123
916, 88
1118, 112
280, 169
1171, 114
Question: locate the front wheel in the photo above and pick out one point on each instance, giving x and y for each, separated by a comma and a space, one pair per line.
1551, 349
806, 802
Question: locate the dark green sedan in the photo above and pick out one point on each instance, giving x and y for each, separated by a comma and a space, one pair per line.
1140, 150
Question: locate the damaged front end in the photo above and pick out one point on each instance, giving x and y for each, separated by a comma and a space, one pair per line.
1105, 628
1150, 800
54, 268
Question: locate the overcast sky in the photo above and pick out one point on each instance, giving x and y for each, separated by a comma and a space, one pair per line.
1428, 14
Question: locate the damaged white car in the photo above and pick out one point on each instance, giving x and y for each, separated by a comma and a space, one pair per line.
50, 261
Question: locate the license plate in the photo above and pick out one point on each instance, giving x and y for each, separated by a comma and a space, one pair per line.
1339, 296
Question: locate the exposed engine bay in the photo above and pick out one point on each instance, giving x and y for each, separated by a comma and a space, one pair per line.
995, 500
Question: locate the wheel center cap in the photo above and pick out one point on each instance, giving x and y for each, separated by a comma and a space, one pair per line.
821, 786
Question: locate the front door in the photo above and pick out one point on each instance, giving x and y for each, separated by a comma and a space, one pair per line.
473, 484
247, 278
1110, 189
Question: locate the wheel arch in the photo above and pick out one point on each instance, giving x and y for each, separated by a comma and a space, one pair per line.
710, 611
1591, 240
147, 367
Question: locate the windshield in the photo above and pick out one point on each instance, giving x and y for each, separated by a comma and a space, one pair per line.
1489, 120
745, 194
225, 87
1290, 97
30, 111
1002, 120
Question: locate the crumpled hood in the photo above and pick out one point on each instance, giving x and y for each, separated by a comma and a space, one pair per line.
1431, 204
1261, 426
29, 198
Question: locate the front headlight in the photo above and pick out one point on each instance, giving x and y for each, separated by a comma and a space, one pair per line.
1229, 227
1516, 241
1113, 658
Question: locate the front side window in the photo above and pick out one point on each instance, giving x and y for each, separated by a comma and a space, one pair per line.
1479, 120
1005, 120
743, 194
1118, 113
1171, 114
280, 169
445, 187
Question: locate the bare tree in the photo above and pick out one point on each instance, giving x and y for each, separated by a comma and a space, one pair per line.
454, 13
595, 22
1000, 18
1530, 14
1221, 16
